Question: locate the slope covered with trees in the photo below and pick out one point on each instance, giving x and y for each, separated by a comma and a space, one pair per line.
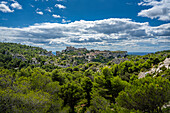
32, 81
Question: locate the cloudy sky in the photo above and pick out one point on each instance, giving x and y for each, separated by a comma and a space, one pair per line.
131, 25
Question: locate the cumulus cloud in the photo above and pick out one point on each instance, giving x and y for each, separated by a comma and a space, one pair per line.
159, 9
16, 5
4, 8
110, 34
60, 6
56, 16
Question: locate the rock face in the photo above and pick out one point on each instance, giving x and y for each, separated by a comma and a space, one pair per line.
47, 54
34, 61
18, 56
165, 63
118, 60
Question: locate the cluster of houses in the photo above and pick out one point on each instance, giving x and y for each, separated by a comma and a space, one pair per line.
81, 52
106, 54
72, 49
92, 54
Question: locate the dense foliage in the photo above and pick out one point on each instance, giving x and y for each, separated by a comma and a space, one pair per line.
32, 80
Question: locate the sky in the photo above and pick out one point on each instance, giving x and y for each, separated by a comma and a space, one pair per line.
128, 25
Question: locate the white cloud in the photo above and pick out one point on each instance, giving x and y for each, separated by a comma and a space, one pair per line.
60, 6
16, 5
5, 9
56, 16
3, 2
65, 21
40, 12
111, 34
160, 9
4, 6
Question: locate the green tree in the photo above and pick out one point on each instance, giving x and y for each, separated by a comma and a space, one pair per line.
58, 76
71, 94
99, 105
6, 78
87, 86
115, 69
146, 94
40, 79
22, 85
117, 85
107, 73
25, 72
15, 102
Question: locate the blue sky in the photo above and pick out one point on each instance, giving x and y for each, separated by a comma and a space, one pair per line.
132, 25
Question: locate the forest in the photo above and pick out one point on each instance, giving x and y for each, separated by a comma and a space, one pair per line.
33, 81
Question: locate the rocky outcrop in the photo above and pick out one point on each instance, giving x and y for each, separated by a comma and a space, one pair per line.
118, 60
153, 70
34, 61
18, 56
165, 63
47, 54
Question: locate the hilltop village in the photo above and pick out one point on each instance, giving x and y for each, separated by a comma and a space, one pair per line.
70, 56
92, 54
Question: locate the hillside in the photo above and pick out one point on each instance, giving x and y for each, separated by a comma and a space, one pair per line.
32, 79
17, 56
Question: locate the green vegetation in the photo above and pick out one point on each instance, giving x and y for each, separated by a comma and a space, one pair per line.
147, 95
34, 80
